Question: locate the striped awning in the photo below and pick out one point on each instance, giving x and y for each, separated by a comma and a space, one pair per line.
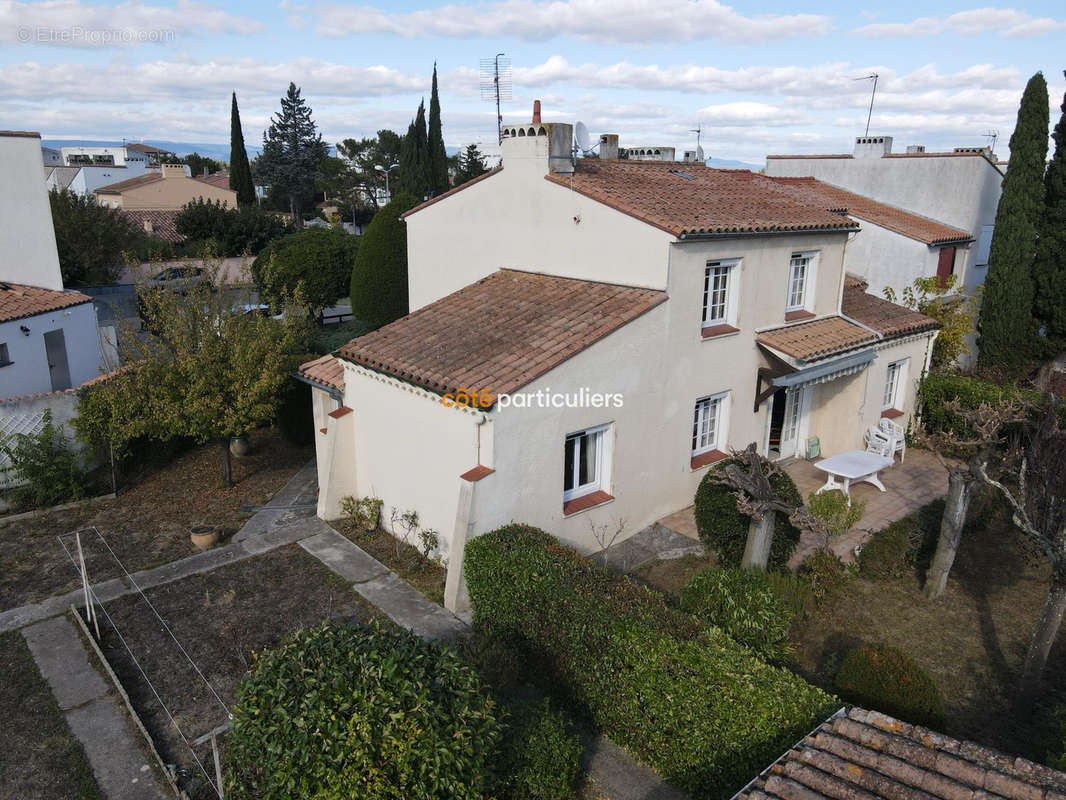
827, 370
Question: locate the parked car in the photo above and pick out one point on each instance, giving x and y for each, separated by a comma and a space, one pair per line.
179, 279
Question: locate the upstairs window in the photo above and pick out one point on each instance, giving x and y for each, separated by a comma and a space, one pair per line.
895, 378
719, 295
798, 273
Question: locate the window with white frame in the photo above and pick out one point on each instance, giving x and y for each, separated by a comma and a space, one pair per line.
709, 423
586, 462
895, 377
800, 281
719, 292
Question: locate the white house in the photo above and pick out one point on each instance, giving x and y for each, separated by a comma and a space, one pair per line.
623, 324
85, 180
959, 189
48, 336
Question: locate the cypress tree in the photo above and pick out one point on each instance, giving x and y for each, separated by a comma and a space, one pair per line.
1005, 324
379, 277
1049, 266
438, 156
240, 172
414, 163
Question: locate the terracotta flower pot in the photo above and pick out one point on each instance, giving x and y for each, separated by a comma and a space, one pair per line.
239, 446
204, 537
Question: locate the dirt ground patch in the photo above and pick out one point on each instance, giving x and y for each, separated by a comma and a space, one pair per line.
221, 618
669, 576
147, 525
39, 756
425, 575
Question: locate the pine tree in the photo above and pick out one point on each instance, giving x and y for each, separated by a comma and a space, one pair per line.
1049, 266
292, 148
1005, 325
414, 162
240, 173
438, 156
471, 165
379, 277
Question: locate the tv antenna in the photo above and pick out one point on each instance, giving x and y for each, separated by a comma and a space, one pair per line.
872, 76
993, 137
698, 130
496, 85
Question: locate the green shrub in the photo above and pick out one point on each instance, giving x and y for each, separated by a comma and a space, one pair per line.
318, 260
705, 712
744, 604
937, 389
834, 509
343, 711
886, 679
327, 338
1052, 736
794, 591
379, 279
540, 758
725, 530
363, 513
825, 573
50, 465
226, 231
891, 552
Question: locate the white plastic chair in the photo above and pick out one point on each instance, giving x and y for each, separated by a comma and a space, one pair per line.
877, 441
895, 432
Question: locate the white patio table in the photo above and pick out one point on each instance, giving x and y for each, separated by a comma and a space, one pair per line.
855, 466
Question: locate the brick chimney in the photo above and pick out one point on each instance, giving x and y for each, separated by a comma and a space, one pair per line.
541, 146
536, 112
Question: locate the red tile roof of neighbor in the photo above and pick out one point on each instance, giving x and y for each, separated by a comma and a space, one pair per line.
162, 220
219, 179
888, 319
866, 755
154, 177
325, 371
500, 333
855, 205
18, 301
692, 199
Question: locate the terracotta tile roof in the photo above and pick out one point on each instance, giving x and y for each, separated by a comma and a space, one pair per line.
820, 338
146, 148
18, 301
219, 180
865, 755
451, 191
21, 134
888, 319
162, 221
130, 183
688, 199
499, 333
325, 371
855, 205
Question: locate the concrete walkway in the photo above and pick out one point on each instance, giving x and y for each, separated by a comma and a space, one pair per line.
94, 713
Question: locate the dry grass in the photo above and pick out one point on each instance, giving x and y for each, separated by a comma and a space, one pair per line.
403, 559
221, 618
148, 524
39, 757
669, 576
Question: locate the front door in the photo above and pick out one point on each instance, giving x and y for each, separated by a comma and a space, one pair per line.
788, 422
55, 350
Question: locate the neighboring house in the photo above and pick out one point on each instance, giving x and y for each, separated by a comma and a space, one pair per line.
48, 336
142, 155
959, 189
866, 755
168, 188
85, 180
709, 301
894, 246
155, 222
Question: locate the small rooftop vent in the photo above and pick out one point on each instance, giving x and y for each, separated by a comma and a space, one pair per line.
872, 146
984, 151
916, 148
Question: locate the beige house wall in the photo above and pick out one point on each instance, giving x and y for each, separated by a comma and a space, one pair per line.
172, 192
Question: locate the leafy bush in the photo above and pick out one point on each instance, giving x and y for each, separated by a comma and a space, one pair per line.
835, 510
794, 591
296, 417
891, 552
705, 712
370, 712
49, 463
937, 389
318, 260
539, 758
227, 231
364, 513
379, 278
91, 239
327, 338
724, 529
1052, 725
744, 604
825, 573
888, 680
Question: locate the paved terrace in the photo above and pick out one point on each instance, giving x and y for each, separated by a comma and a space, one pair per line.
911, 484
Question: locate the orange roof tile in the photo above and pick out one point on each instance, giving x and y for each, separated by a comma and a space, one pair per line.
18, 301
692, 199
856, 205
817, 339
499, 333
325, 371
130, 183
162, 220
888, 319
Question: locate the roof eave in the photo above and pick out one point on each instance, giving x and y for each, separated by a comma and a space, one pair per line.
687, 235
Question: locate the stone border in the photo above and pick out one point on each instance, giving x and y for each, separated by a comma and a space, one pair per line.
64, 507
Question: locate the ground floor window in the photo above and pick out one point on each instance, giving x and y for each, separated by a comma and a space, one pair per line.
586, 457
708, 423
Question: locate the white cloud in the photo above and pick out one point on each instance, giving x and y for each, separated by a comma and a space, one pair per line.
612, 21
74, 23
748, 114
1008, 22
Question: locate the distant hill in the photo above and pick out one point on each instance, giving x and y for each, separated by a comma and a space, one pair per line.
723, 163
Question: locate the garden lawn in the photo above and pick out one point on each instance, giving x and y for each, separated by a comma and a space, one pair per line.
403, 559
39, 756
221, 618
148, 524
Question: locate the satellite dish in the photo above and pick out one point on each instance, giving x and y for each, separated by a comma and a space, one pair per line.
581, 133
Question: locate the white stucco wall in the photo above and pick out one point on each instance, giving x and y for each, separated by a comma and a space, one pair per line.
27, 240
28, 373
885, 258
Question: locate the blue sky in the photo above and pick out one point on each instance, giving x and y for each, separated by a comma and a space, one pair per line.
760, 78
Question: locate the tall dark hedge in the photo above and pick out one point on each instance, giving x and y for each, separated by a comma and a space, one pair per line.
379, 279
438, 156
886, 679
1049, 266
725, 530
319, 260
682, 696
240, 171
1005, 324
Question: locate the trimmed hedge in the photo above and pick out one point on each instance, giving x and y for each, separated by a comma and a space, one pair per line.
540, 758
343, 711
724, 529
745, 604
885, 678
684, 697
379, 277
937, 389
